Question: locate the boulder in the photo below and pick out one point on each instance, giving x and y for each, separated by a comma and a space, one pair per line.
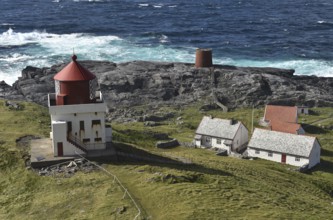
167, 144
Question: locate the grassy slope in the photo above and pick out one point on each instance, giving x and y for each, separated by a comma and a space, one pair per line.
249, 189
216, 187
25, 195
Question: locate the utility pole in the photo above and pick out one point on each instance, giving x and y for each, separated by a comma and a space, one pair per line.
252, 118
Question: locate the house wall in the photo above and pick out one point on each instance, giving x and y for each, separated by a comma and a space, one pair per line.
205, 142
305, 110
197, 143
301, 131
241, 138
315, 154
108, 132
60, 115
277, 157
90, 131
59, 135
212, 144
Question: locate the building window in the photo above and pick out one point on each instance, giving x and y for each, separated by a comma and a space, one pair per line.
270, 154
98, 139
85, 140
95, 122
81, 125
69, 127
218, 141
297, 159
208, 139
257, 151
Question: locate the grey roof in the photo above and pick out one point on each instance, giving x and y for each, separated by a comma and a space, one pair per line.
299, 145
217, 127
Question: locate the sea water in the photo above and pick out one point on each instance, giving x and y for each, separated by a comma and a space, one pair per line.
293, 34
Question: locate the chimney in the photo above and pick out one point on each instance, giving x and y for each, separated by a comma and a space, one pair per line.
233, 121
203, 58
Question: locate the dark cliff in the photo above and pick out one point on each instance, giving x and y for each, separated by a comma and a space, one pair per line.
155, 83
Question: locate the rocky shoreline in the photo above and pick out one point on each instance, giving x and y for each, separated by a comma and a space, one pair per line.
139, 83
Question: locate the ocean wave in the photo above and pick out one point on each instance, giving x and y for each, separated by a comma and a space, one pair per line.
6, 24
301, 67
164, 39
15, 57
91, 1
158, 6
11, 38
143, 5
43, 49
323, 22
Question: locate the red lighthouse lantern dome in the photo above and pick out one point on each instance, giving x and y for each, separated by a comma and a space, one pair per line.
75, 85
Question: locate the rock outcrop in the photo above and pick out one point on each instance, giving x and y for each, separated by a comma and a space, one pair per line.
155, 83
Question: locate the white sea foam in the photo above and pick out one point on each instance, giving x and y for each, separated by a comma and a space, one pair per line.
143, 5
43, 49
158, 6
6, 24
164, 39
301, 67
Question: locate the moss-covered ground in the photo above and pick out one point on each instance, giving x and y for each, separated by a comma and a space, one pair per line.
212, 187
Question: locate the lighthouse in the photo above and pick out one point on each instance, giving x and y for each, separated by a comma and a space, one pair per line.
77, 112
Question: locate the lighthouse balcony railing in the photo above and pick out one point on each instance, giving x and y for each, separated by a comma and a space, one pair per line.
52, 98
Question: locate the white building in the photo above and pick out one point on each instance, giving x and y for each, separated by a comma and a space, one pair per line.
296, 150
303, 110
77, 112
221, 133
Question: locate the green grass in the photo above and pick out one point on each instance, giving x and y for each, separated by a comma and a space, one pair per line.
25, 195
212, 187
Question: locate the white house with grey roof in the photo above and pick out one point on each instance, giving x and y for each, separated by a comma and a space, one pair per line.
221, 133
296, 150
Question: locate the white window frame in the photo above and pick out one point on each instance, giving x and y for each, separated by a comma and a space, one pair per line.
270, 154
298, 159
218, 141
257, 151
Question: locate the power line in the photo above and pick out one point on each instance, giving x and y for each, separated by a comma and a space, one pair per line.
115, 178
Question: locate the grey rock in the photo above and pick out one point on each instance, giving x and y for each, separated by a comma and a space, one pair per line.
167, 144
153, 84
150, 123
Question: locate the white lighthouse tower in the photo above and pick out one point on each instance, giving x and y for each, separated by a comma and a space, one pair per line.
77, 112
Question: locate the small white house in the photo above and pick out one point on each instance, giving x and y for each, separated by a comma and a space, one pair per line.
225, 134
293, 149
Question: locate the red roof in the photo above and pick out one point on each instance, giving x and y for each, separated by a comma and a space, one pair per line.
281, 113
74, 72
291, 128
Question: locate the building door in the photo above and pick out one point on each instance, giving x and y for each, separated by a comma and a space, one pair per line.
69, 127
60, 149
283, 158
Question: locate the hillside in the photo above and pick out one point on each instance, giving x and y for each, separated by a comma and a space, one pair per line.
212, 187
